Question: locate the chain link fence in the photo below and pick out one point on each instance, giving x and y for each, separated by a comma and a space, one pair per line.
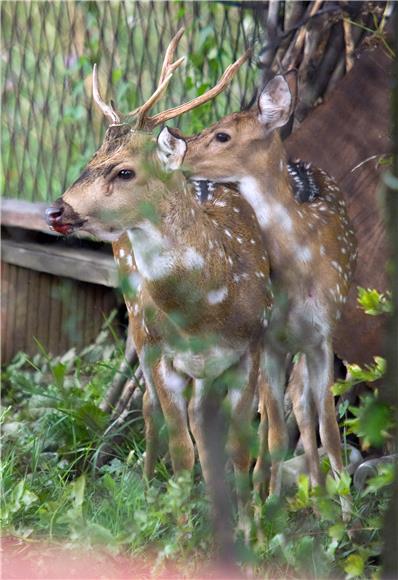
49, 125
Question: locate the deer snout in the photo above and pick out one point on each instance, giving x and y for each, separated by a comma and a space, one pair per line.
53, 214
61, 218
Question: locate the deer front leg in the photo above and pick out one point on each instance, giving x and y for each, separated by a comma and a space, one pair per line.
170, 387
241, 397
274, 366
152, 414
261, 468
303, 408
208, 425
320, 377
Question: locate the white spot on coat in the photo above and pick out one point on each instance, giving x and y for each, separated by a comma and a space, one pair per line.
303, 254
217, 296
192, 259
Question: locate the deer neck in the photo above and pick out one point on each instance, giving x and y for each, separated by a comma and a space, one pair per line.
268, 190
171, 249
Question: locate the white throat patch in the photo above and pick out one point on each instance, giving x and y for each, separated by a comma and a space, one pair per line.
152, 251
267, 211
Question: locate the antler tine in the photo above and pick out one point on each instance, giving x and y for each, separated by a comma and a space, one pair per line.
107, 110
169, 56
224, 81
168, 67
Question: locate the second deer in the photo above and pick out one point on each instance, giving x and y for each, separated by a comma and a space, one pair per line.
312, 250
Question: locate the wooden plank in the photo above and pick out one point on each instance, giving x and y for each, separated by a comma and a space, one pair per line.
10, 310
32, 311
77, 263
59, 288
31, 216
21, 304
4, 310
42, 313
24, 214
37, 304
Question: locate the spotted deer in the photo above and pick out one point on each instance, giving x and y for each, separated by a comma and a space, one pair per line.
200, 276
312, 251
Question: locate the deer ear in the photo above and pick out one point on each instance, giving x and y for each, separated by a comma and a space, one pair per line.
277, 99
171, 148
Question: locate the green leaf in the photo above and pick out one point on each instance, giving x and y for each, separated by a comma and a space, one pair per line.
331, 485
354, 565
58, 371
109, 482
337, 531
21, 497
374, 302
357, 374
302, 498
343, 483
343, 407
375, 421
384, 478
372, 422
77, 488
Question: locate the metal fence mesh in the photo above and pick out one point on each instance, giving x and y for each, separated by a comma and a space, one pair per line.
49, 125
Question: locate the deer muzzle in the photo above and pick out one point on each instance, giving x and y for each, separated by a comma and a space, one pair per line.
61, 218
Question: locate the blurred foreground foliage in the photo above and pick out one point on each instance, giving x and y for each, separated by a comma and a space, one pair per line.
52, 426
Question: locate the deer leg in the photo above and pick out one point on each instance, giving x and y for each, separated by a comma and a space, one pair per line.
171, 387
152, 413
261, 468
241, 399
320, 375
208, 425
303, 407
274, 364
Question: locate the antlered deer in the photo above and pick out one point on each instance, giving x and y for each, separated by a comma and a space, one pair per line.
201, 280
312, 250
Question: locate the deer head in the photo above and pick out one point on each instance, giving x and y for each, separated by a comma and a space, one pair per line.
124, 181
231, 146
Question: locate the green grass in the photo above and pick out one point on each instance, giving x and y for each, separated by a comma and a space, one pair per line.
52, 426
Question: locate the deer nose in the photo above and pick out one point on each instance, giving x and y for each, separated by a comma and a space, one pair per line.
53, 213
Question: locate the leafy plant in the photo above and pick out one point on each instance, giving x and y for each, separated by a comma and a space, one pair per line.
374, 302
51, 425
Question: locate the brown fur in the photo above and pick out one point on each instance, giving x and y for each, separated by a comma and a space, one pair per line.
175, 308
313, 263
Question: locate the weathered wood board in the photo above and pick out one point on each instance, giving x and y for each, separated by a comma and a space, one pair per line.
51, 292
59, 312
85, 265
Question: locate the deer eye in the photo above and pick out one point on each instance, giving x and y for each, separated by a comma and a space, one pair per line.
126, 174
223, 137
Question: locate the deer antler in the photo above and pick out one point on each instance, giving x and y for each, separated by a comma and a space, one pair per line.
229, 73
108, 110
168, 67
